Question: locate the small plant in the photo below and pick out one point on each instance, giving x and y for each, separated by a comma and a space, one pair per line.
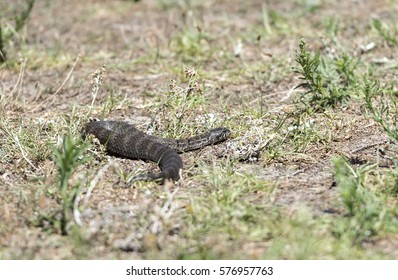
96, 82
309, 70
179, 101
389, 35
328, 83
386, 113
365, 212
192, 44
345, 67
332, 27
68, 157
6, 34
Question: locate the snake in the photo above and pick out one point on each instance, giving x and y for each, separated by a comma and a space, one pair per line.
125, 140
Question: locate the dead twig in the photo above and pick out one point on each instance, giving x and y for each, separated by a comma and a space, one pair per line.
369, 146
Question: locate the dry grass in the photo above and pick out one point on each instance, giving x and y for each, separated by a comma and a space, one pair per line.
306, 174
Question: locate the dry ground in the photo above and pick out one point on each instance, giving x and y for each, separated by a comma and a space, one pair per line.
268, 192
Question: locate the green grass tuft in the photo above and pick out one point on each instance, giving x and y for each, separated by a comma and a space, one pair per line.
7, 33
329, 82
366, 214
388, 33
68, 157
385, 111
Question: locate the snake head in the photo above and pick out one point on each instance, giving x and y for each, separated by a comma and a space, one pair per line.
218, 134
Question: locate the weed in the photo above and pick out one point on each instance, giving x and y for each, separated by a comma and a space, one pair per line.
345, 67
385, 31
192, 44
179, 101
332, 27
24, 142
297, 236
96, 82
68, 157
301, 132
328, 83
266, 20
366, 216
226, 209
310, 6
297, 132
6, 34
386, 113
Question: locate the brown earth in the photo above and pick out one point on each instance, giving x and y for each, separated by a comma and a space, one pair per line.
142, 46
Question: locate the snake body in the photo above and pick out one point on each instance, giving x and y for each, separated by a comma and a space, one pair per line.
123, 139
